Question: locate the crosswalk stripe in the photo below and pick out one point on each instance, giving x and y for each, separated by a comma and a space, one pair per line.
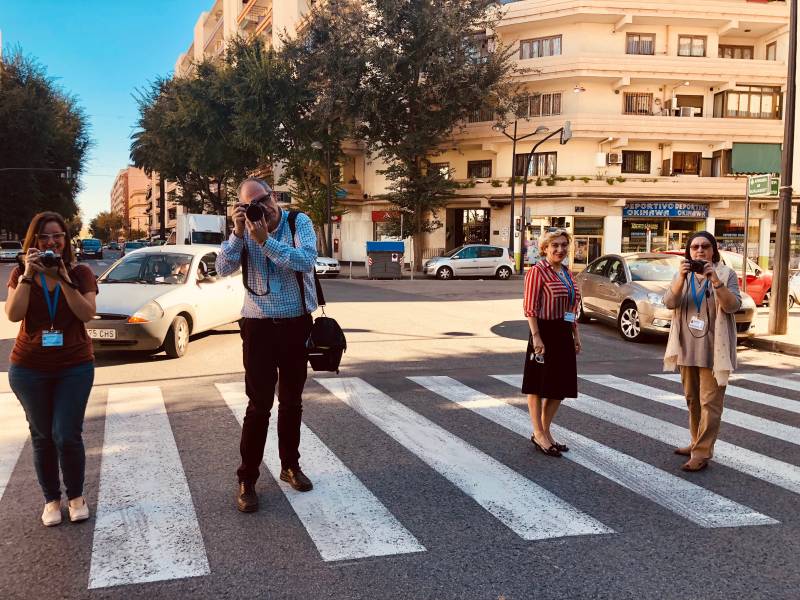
701, 506
343, 518
745, 394
527, 509
773, 429
771, 470
146, 527
13, 435
785, 383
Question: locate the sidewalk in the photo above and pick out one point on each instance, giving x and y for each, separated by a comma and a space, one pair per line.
786, 344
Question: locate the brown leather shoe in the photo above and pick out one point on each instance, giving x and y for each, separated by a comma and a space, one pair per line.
685, 451
695, 464
246, 497
297, 479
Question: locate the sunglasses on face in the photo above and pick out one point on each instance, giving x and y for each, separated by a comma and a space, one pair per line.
700, 247
46, 237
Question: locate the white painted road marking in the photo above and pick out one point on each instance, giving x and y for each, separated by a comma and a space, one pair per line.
756, 465
746, 394
773, 429
13, 435
701, 506
527, 509
785, 383
4, 385
146, 527
343, 518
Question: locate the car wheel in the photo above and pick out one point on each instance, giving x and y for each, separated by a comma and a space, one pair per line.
177, 340
444, 273
791, 302
582, 316
100, 256
765, 299
628, 323
503, 273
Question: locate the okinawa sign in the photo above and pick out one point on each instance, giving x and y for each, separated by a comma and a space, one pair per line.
665, 209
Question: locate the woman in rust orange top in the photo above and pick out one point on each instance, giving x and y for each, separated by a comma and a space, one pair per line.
52, 363
551, 302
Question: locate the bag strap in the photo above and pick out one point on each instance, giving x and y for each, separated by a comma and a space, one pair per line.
320, 296
245, 260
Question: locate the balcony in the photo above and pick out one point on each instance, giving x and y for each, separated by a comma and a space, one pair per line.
255, 17
624, 69
607, 187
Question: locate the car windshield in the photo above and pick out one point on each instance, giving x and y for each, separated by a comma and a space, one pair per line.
662, 268
452, 252
155, 269
10, 245
90, 243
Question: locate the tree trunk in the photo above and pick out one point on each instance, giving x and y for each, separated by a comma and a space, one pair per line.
417, 244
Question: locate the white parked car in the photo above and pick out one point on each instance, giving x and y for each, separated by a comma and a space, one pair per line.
9, 250
472, 260
158, 297
794, 290
327, 267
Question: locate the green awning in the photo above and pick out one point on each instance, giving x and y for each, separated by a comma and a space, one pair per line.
756, 158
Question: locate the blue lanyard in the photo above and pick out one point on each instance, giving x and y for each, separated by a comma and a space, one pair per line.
52, 303
698, 299
568, 284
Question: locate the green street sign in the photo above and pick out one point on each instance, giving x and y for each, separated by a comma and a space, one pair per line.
774, 186
758, 185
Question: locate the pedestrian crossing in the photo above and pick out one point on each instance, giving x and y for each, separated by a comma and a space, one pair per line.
146, 527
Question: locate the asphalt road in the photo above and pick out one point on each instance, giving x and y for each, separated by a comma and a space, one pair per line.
425, 487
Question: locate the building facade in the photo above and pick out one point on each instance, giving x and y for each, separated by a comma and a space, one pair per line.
129, 199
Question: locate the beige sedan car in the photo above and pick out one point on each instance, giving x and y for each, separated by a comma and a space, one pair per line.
628, 290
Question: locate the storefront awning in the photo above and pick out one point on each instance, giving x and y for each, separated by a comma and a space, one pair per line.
756, 158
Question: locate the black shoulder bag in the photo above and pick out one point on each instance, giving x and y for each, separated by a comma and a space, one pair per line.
326, 343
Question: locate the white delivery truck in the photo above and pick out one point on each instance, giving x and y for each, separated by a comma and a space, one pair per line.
198, 229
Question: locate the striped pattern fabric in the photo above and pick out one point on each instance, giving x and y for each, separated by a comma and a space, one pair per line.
546, 296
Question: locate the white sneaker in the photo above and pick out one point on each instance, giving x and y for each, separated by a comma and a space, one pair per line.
52, 513
78, 509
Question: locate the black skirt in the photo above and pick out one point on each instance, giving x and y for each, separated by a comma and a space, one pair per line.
557, 377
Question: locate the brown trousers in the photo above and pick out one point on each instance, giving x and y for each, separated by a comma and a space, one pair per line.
704, 400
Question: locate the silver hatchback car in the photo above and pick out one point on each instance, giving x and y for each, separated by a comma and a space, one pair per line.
471, 260
628, 291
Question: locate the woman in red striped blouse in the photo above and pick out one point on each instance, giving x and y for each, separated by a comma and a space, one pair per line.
551, 304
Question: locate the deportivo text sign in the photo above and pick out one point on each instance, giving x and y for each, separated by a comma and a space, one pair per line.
665, 209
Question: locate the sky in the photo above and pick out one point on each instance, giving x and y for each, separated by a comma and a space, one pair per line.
101, 52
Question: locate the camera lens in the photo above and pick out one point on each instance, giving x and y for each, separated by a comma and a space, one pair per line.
254, 213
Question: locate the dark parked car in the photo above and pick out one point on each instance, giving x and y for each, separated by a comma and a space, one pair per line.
129, 247
90, 247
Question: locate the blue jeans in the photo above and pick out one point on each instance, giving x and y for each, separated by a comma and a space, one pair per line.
55, 404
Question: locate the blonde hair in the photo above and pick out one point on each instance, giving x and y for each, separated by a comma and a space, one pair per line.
549, 236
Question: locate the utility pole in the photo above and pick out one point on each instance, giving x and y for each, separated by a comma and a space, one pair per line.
162, 208
778, 307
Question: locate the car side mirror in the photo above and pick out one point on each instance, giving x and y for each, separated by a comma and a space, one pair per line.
758, 272
454, 257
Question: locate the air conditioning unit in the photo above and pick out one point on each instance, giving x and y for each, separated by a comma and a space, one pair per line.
688, 111
614, 158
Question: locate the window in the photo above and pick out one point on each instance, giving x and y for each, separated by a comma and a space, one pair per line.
479, 48
634, 161
489, 252
539, 47
616, 271
542, 105
736, 52
443, 168
471, 252
481, 116
686, 163
210, 261
638, 103
752, 103
542, 164
691, 45
479, 169
640, 43
597, 268
772, 51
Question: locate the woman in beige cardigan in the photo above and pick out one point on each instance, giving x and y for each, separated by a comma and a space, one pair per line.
702, 341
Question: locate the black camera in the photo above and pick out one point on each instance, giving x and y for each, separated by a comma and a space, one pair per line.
49, 259
255, 212
697, 266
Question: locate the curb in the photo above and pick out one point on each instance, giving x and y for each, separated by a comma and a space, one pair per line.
773, 346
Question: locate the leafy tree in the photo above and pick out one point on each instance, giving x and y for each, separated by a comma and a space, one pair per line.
43, 131
106, 226
74, 225
431, 63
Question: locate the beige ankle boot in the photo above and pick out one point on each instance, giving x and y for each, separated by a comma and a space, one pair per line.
78, 509
52, 513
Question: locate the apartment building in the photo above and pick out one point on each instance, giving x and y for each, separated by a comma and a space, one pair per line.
671, 104
129, 198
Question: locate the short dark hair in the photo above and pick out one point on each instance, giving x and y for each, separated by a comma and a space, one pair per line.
715, 256
35, 228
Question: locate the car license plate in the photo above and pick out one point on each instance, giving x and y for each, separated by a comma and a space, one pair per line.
102, 334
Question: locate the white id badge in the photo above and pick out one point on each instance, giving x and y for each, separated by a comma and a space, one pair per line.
52, 339
569, 317
697, 324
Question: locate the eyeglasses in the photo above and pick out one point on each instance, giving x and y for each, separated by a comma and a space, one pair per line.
261, 199
46, 237
700, 246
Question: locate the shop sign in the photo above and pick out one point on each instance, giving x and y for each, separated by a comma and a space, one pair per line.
640, 229
665, 209
384, 216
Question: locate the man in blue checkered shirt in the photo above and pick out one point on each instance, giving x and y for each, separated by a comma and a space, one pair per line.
275, 327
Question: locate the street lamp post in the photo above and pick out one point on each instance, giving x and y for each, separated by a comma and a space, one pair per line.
566, 135
513, 244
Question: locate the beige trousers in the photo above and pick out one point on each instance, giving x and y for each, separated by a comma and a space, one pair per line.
704, 400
